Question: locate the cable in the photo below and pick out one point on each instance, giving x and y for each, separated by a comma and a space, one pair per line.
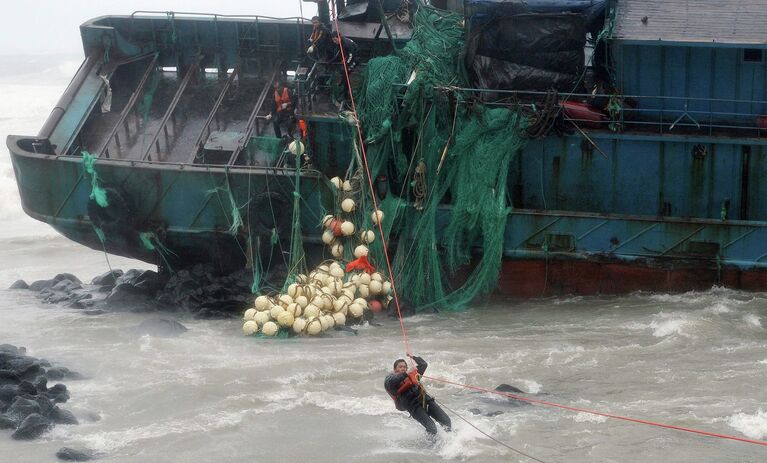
607, 415
488, 435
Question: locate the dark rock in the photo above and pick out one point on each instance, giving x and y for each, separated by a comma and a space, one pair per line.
22, 408
58, 393
32, 427
8, 392
46, 406
508, 388
66, 286
9, 377
40, 285
19, 284
161, 327
476, 411
128, 277
346, 329
7, 423
126, 293
107, 279
150, 281
67, 276
41, 384
12, 349
57, 372
69, 454
25, 387
60, 416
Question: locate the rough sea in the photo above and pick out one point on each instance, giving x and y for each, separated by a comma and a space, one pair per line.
695, 360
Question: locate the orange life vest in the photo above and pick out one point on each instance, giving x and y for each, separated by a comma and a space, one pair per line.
410, 381
279, 99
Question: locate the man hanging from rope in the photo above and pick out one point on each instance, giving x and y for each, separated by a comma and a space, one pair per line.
409, 395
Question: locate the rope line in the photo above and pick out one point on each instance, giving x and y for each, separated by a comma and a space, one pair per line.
488, 435
594, 412
384, 244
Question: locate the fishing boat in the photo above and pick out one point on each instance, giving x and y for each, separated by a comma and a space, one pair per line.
526, 148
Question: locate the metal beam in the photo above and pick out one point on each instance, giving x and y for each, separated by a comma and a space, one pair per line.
193, 68
206, 127
253, 119
129, 106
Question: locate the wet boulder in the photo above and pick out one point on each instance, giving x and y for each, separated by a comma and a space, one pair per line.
7, 423
60, 416
68, 277
108, 278
22, 408
32, 427
8, 392
19, 284
126, 294
40, 285
70, 454
58, 393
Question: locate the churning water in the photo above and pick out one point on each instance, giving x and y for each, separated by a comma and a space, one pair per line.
693, 360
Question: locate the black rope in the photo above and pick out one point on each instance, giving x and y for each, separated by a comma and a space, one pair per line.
488, 435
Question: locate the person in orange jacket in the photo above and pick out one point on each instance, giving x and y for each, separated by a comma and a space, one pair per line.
405, 389
283, 110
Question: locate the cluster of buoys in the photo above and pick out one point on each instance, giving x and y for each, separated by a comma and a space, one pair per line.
330, 295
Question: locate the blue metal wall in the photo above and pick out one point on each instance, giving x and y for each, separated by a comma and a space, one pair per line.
691, 72
643, 176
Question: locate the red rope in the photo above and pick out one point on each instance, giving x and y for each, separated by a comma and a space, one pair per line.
402, 323
593, 412
370, 180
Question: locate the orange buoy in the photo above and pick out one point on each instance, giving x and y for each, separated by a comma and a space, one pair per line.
375, 305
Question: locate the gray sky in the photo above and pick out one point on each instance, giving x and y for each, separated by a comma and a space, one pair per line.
52, 26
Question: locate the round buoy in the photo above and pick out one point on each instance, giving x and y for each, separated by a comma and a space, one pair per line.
377, 216
360, 251
249, 327
347, 185
286, 319
311, 311
296, 148
337, 182
386, 288
355, 310
367, 236
285, 300
298, 325
327, 322
337, 250
328, 237
262, 317
364, 279
314, 327
376, 276
348, 205
375, 306
275, 311
364, 291
339, 318
375, 287
337, 272
326, 220
249, 314
263, 303
302, 301
270, 328
347, 228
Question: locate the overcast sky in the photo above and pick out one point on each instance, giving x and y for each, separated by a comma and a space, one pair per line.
52, 26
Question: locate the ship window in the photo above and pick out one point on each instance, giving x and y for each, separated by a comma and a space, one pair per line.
752, 55
168, 69
211, 70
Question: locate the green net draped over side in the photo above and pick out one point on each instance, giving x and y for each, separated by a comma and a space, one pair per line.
413, 112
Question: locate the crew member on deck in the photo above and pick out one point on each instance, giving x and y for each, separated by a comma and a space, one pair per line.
341, 89
319, 40
283, 111
409, 395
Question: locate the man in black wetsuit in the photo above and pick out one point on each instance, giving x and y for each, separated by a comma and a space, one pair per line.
408, 394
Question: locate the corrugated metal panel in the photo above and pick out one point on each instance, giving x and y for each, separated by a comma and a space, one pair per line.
705, 21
